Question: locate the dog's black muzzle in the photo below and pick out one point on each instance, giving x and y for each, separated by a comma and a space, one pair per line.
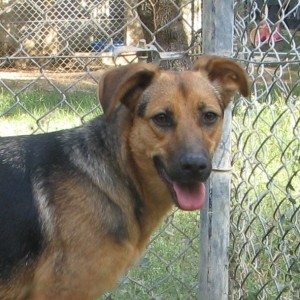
190, 168
186, 168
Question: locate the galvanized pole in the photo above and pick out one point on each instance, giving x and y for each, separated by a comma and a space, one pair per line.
217, 40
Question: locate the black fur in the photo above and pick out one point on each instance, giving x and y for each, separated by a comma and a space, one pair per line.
36, 159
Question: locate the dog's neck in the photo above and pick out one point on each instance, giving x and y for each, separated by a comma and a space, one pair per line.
151, 195
156, 204
156, 208
155, 197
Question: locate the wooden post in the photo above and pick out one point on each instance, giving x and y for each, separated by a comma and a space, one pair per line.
214, 236
215, 217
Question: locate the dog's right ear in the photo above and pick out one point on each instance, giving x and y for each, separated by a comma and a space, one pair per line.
225, 74
125, 85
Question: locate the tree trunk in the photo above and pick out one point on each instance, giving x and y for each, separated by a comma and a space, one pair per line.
162, 25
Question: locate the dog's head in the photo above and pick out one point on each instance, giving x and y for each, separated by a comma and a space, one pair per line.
177, 119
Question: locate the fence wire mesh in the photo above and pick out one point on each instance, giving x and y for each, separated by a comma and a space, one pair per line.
52, 53
265, 236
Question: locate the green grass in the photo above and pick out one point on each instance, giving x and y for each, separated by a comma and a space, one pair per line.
265, 207
44, 111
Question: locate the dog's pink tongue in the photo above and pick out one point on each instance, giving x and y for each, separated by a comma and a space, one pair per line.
190, 197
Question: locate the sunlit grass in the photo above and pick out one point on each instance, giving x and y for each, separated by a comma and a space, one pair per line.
44, 111
266, 197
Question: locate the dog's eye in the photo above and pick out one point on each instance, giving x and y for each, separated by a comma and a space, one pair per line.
163, 120
209, 117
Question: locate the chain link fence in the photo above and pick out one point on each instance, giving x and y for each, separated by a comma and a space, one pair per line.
265, 225
52, 53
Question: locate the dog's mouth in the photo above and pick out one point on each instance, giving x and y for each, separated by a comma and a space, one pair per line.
186, 195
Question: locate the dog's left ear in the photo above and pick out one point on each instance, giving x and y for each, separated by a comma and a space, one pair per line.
225, 74
125, 85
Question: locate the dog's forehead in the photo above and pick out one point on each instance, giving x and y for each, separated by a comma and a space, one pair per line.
181, 86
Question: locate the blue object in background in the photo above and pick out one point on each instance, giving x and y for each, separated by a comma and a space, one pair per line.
102, 45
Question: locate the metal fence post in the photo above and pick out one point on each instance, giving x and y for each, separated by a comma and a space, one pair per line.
217, 39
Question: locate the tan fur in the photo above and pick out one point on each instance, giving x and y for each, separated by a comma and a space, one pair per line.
83, 260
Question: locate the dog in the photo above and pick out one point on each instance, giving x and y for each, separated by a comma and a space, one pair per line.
78, 206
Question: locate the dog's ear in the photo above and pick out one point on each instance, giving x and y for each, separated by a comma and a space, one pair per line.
225, 74
125, 85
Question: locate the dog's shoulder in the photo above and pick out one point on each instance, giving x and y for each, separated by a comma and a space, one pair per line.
20, 235
32, 166
25, 163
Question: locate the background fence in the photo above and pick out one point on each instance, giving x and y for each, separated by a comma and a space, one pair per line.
52, 53
265, 236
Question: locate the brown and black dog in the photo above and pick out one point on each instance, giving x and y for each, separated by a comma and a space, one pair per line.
77, 207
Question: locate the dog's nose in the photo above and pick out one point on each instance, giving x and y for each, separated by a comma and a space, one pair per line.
193, 163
